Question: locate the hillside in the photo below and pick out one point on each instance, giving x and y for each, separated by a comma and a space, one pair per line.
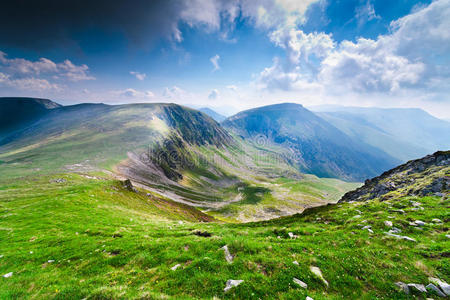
401, 132
421, 177
173, 151
88, 236
15, 113
313, 144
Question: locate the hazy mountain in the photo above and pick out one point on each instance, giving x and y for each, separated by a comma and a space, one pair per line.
316, 145
213, 114
402, 133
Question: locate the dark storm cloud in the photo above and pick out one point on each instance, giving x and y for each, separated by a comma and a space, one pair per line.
48, 23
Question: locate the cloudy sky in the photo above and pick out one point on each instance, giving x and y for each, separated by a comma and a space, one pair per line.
229, 54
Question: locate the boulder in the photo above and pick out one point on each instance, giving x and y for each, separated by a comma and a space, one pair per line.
435, 289
445, 287
316, 271
300, 283
417, 287
228, 256
403, 286
232, 283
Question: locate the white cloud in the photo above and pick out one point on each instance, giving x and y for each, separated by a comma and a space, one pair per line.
391, 64
214, 94
174, 93
215, 62
366, 13
28, 84
139, 76
44, 66
135, 94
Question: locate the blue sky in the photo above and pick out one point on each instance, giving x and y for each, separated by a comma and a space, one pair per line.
230, 55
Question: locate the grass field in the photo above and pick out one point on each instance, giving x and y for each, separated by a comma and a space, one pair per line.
72, 236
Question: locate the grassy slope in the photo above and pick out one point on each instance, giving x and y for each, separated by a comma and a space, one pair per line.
107, 242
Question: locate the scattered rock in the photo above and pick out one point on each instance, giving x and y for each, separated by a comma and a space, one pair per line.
447, 236
175, 267
356, 217
228, 256
291, 235
295, 262
232, 283
1, 256
51, 261
309, 298
300, 283
318, 273
417, 287
445, 287
433, 288
7, 275
180, 222
403, 286
368, 228
388, 223
400, 237
436, 221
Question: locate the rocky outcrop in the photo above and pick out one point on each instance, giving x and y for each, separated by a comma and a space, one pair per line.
421, 177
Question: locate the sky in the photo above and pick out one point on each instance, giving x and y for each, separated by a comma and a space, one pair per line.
229, 55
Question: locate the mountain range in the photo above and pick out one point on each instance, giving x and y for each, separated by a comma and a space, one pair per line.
260, 163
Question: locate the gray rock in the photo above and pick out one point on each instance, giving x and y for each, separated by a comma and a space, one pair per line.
291, 235
445, 287
300, 283
309, 298
417, 287
432, 287
316, 271
403, 286
295, 262
388, 223
232, 283
400, 237
437, 221
7, 275
175, 267
420, 223
228, 256
395, 230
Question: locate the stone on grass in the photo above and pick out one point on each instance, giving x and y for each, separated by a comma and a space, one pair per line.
400, 237
318, 273
445, 287
447, 236
437, 221
403, 286
175, 267
395, 230
1, 256
417, 287
433, 288
7, 275
295, 262
420, 223
180, 222
232, 283
309, 298
388, 223
291, 235
51, 261
228, 256
300, 283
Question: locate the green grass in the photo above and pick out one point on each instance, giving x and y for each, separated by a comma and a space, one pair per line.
107, 242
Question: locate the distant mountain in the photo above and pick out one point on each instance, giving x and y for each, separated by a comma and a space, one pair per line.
18, 112
403, 133
213, 114
316, 145
421, 177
